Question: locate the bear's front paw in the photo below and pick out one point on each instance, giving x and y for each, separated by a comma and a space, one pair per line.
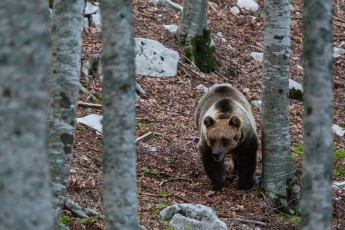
245, 186
217, 186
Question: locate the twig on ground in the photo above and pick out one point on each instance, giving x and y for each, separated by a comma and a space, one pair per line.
243, 220
78, 210
195, 139
221, 75
143, 136
168, 195
172, 179
188, 67
338, 19
85, 91
169, 5
89, 104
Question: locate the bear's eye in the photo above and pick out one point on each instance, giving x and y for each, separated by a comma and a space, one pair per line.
212, 141
225, 141
236, 138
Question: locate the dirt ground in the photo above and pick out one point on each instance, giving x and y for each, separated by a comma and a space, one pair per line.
169, 168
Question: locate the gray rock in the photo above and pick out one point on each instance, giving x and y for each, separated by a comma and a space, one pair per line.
257, 56
337, 52
91, 8
93, 121
234, 10
194, 216
338, 130
172, 28
168, 4
96, 21
202, 87
155, 60
256, 104
338, 185
248, 5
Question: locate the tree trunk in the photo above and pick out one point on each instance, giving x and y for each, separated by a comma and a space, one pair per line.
119, 157
194, 35
25, 198
316, 203
279, 183
66, 33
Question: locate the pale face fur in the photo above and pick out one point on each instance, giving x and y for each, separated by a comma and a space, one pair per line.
222, 136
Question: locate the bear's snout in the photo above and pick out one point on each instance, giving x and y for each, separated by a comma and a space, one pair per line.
217, 156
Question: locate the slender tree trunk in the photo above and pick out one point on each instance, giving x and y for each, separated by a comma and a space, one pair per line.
194, 35
316, 203
66, 33
119, 157
25, 197
279, 184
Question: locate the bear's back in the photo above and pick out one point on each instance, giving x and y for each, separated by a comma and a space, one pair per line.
224, 98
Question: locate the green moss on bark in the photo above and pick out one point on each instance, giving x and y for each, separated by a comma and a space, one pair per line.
288, 203
199, 50
50, 2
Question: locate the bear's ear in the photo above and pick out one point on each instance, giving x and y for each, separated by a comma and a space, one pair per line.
208, 121
235, 121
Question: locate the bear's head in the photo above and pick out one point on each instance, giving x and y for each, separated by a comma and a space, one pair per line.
222, 135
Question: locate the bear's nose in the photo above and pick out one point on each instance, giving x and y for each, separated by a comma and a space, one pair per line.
216, 156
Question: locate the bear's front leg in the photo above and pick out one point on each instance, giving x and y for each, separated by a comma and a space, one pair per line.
214, 170
247, 165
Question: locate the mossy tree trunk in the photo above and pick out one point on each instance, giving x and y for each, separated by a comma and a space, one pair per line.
25, 197
194, 35
66, 33
119, 156
316, 202
278, 177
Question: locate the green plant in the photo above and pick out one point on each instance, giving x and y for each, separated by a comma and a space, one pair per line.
65, 219
142, 125
162, 205
86, 221
297, 151
164, 193
293, 219
338, 160
150, 170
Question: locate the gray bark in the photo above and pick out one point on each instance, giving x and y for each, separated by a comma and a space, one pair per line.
194, 17
25, 198
66, 33
278, 183
194, 35
316, 202
119, 157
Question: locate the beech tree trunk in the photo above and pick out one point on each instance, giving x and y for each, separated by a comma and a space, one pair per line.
25, 197
316, 202
278, 179
194, 35
66, 33
119, 156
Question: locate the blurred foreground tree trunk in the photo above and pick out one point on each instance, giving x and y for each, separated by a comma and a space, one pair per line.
279, 181
316, 203
119, 156
66, 33
194, 35
25, 196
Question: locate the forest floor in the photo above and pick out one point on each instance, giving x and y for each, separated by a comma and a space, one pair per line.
169, 168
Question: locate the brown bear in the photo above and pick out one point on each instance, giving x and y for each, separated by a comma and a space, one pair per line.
226, 126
